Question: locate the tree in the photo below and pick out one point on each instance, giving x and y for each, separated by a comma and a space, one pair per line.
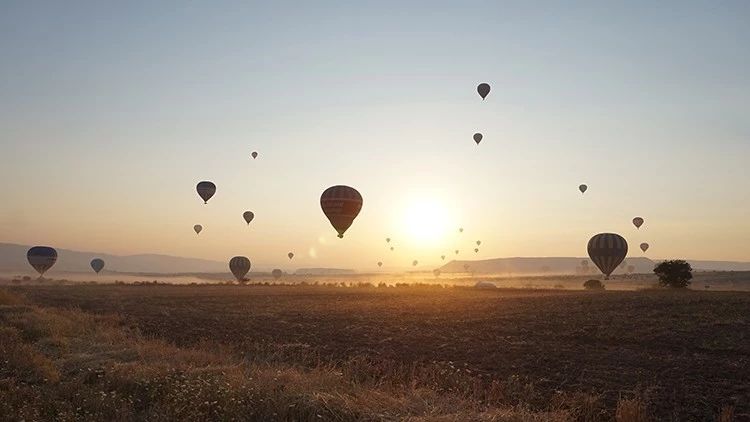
593, 285
675, 273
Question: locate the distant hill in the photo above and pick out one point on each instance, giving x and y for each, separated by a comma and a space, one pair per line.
324, 271
13, 258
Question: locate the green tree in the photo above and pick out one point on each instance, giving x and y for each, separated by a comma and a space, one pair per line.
675, 273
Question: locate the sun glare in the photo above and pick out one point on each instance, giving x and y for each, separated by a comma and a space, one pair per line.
426, 221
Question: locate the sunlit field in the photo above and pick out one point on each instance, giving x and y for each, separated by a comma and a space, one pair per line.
428, 352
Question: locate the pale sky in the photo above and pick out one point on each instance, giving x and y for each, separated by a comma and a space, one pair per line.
111, 113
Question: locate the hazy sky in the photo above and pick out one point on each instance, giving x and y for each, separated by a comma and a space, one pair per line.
111, 112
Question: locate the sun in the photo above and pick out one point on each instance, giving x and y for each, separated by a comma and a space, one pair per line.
426, 221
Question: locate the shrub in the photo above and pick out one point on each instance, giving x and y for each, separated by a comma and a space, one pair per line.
675, 273
593, 285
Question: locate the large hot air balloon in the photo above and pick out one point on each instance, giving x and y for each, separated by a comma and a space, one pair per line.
483, 89
42, 258
276, 273
477, 138
254, 154
341, 204
607, 251
380, 264
290, 255
638, 222
583, 188
644, 246
240, 266
206, 190
198, 228
248, 216
97, 265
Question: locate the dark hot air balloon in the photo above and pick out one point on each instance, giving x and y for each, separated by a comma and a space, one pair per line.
442, 257
341, 204
483, 89
240, 266
97, 265
387, 240
476, 250
254, 154
638, 222
607, 251
380, 264
290, 255
644, 246
206, 190
479, 243
391, 248
477, 138
42, 258
583, 188
248, 216
414, 264
197, 228
276, 273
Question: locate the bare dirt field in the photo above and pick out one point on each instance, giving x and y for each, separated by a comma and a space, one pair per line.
681, 355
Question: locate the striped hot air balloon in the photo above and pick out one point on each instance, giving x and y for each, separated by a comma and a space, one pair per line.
607, 251
240, 266
42, 258
341, 204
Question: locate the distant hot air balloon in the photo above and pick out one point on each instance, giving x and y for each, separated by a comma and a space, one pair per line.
290, 255
456, 251
198, 228
479, 243
97, 265
466, 267
240, 266
436, 272
607, 251
42, 258
380, 264
631, 268
638, 222
477, 138
206, 190
248, 216
442, 257
644, 246
341, 204
460, 229
414, 264
483, 89
476, 250
387, 240
391, 248
583, 188
276, 273
254, 154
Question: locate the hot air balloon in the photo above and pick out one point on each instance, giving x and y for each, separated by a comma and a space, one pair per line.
240, 266
479, 243
391, 248
206, 190
436, 272
341, 204
607, 251
387, 240
477, 138
476, 250
644, 246
456, 251
290, 255
254, 154
248, 216
638, 222
483, 89
414, 264
466, 267
198, 228
583, 188
460, 229
380, 264
276, 273
442, 257
97, 265
42, 258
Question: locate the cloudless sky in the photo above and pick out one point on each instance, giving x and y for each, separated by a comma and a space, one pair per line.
110, 113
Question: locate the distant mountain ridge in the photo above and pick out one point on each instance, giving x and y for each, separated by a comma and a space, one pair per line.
13, 258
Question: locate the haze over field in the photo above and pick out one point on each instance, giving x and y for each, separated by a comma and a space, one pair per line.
111, 114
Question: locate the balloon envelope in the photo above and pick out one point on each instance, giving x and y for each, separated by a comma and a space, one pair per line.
461, 230
477, 138
240, 266
341, 204
42, 258
456, 251
442, 257
388, 240
248, 216
276, 273
638, 222
380, 264
198, 228
583, 188
479, 242
476, 250
414, 264
254, 154
483, 89
206, 190
97, 265
607, 251
644, 247
290, 255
